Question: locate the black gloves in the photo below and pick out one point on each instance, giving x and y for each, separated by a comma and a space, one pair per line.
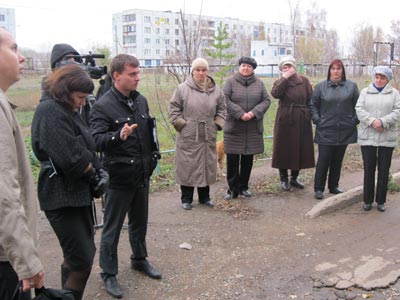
98, 180
102, 184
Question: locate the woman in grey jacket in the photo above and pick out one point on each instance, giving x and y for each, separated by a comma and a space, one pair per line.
247, 101
378, 110
333, 112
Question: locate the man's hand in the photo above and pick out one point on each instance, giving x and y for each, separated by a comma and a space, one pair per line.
127, 131
33, 282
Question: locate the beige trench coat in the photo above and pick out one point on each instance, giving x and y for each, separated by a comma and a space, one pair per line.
196, 116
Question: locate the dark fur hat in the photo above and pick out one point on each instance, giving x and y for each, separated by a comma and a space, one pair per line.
248, 60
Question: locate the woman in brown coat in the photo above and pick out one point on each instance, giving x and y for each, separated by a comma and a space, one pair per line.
293, 144
197, 110
247, 101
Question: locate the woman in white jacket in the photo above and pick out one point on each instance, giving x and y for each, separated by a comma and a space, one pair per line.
378, 109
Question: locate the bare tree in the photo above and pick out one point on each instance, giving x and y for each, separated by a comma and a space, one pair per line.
362, 44
294, 21
395, 37
331, 49
310, 47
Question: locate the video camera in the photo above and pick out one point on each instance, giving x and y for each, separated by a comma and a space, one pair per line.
88, 64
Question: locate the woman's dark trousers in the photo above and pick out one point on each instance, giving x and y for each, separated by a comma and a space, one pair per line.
188, 191
238, 167
373, 156
330, 159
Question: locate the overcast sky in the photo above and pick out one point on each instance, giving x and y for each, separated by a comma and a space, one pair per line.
83, 23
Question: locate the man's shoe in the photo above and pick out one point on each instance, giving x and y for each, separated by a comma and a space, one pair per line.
381, 207
285, 185
230, 196
336, 191
245, 193
296, 184
367, 206
187, 206
112, 287
319, 195
145, 267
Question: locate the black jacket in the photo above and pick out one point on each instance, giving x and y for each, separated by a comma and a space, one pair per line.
60, 135
131, 162
333, 112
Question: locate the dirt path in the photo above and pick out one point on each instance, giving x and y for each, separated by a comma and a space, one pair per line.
257, 248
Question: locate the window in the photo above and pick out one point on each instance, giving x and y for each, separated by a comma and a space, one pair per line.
262, 52
176, 42
226, 26
147, 62
166, 20
158, 41
130, 50
158, 51
147, 51
157, 30
147, 19
158, 62
129, 39
282, 51
166, 30
147, 40
130, 18
234, 27
167, 52
176, 31
176, 21
129, 28
289, 52
2, 18
254, 53
167, 42
147, 30
194, 23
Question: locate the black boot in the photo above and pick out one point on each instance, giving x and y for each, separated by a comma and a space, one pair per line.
283, 173
293, 180
64, 275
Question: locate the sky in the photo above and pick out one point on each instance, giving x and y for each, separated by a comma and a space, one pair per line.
84, 23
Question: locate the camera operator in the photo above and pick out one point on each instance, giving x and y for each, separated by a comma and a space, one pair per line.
64, 54
71, 174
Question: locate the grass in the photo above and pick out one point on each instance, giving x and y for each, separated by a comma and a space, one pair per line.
158, 89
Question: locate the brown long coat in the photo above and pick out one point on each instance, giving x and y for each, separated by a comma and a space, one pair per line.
196, 115
293, 142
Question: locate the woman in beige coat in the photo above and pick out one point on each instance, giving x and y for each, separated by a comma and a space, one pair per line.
197, 110
378, 109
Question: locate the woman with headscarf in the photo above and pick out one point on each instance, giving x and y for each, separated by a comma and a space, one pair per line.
197, 111
378, 109
333, 112
293, 144
247, 101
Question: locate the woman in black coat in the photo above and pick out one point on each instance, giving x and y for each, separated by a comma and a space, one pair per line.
71, 174
333, 111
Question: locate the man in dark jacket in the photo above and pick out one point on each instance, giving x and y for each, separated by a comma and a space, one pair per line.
123, 131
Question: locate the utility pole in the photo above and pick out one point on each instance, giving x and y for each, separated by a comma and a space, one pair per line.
376, 50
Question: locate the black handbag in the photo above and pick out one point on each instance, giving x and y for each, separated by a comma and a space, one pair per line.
52, 294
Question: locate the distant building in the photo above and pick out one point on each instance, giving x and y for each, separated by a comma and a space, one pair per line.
268, 54
7, 20
156, 37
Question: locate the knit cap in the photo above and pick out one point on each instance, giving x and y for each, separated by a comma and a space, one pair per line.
248, 60
385, 71
199, 63
287, 60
